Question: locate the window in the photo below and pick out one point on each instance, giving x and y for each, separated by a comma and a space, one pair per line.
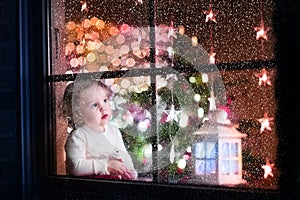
230, 162
193, 85
205, 154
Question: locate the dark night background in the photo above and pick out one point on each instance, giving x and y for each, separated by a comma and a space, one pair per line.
15, 182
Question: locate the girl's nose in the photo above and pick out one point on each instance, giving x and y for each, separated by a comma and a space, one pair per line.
101, 108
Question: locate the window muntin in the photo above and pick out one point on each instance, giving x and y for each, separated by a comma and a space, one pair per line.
241, 84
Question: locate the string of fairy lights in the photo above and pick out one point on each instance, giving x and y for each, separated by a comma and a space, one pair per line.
263, 78
264, 81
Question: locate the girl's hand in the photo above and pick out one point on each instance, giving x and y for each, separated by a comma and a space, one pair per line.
129, 175
117, 167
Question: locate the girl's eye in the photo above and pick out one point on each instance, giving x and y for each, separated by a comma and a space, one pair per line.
106, 100
94, 105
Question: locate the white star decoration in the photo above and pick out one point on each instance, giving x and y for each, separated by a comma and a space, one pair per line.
263, 78
210, 15
172, 76
172, 114
265, 123
268, 167
261, 32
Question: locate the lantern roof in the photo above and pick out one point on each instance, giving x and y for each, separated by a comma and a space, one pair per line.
218, 125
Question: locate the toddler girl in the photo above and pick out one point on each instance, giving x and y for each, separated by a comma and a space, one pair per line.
94, 147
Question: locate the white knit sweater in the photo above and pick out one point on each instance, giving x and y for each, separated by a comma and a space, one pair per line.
87, 151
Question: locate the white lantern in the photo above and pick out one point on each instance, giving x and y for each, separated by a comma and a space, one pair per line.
217, 152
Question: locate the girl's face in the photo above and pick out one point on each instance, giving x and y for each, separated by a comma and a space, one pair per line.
95, 107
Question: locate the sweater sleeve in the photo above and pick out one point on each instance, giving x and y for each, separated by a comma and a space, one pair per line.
77, 162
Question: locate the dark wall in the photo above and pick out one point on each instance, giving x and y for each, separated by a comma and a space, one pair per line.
9, 173
286, 26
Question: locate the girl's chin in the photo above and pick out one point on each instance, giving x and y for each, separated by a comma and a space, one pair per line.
98, 127
102, 128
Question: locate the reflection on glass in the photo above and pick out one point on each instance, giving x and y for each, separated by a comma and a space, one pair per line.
158, 119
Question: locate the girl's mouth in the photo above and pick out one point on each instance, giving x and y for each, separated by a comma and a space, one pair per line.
104, 116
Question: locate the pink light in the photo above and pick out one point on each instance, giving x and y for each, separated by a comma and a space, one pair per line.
261, 32
210, 15
268, 167
265, 123
263, 77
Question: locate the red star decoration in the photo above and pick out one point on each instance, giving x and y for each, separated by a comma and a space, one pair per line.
265, 123
139, 2
268, 167
263, 77
83, 6
261, 32
210, 15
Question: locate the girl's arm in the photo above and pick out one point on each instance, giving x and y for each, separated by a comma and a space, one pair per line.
77, 163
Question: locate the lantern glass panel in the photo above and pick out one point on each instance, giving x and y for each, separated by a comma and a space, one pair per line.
211, 150
199, 167
206, 164
199, 150
234, 149
225, 167
225, 150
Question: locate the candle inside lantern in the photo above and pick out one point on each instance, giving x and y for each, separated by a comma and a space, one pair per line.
194, 41
181, 30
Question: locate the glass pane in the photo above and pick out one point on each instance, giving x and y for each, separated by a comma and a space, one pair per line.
234, 149
211, 166
131, 114
225, 150
211, 150
200, 167
199, 150
225, 167
131, 117
234, 165
93, 36
224, 31
177, 120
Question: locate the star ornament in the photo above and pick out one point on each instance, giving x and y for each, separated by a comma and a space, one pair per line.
265, 123
172, 114
172, 31
261, 32
172, 77
210, 15
83, 6
263, 78
139, 1
268, 168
